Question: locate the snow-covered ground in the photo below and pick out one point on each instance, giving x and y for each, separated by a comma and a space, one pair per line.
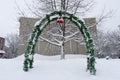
52, 68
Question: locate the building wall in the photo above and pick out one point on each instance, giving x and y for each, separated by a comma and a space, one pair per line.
44, 48
2, 43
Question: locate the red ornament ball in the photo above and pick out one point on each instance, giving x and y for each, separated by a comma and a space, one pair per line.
59, 20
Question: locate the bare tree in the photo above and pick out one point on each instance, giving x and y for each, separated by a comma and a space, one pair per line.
76, 7
108, 44
12, 42
54, 35
100, 43
114, 43
40, 7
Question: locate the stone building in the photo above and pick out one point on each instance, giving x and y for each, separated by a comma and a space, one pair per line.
44, 48
2, 43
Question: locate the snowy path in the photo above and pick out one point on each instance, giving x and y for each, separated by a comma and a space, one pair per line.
51, 68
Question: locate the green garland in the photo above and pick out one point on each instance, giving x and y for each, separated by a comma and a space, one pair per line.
29, 52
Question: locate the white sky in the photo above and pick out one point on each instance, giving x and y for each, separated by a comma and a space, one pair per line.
9, 23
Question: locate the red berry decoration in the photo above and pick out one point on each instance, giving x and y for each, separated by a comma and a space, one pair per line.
60, 20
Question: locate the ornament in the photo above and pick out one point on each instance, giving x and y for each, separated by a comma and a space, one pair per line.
60, 20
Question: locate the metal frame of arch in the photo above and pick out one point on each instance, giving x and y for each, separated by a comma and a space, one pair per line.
29, 52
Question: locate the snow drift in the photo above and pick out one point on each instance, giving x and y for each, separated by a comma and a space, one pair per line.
52, 68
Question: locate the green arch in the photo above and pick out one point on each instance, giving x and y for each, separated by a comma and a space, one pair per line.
29, 52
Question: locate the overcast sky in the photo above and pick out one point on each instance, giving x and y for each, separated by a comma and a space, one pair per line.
9, 23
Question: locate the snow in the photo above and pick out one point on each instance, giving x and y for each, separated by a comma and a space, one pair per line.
1, 51
52, 68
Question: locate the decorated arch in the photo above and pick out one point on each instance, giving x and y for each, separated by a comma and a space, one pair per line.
30, 48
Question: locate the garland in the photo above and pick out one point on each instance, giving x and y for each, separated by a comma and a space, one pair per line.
29, 52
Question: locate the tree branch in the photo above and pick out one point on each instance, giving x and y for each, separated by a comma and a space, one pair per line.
49, 41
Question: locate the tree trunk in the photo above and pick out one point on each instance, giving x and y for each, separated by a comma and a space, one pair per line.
63, 30
63, 42
62, 51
